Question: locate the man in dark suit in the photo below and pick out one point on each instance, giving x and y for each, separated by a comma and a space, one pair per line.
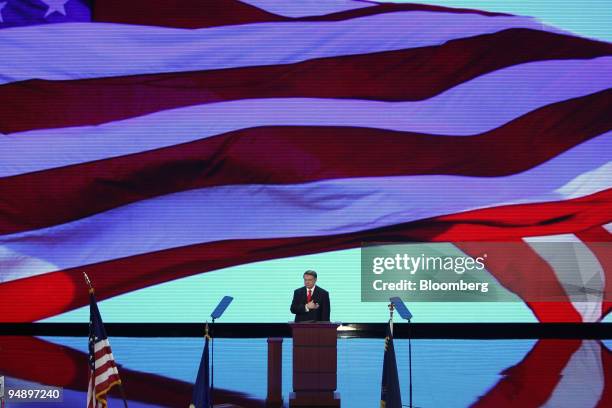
311, 302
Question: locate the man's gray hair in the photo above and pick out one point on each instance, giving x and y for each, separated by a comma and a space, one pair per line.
311, 273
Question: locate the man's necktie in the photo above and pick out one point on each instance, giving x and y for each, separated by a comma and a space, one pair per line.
309, 297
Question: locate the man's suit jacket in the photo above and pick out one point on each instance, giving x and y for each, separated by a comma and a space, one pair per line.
298, 305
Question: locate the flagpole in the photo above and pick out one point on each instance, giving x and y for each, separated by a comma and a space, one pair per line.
391, 308
212, 360
409, 364
121, 389
88, 282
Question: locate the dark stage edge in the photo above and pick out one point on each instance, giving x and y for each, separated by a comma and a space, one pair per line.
350, 330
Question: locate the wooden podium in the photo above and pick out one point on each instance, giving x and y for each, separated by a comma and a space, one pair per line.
315, 364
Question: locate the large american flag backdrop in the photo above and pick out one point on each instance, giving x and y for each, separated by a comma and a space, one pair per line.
146, 141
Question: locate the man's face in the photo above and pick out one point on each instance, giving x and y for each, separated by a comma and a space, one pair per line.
309, 281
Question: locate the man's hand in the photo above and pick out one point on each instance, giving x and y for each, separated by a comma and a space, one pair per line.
312, 305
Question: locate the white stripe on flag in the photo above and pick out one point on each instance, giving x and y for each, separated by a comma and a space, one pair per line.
104, 359
310, 209
89, 50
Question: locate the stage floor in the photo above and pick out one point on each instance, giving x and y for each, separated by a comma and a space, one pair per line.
159, 372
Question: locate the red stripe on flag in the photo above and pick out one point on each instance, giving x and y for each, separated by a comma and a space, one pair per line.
390, 8
106, 350
600, 234
196, 14
181, 13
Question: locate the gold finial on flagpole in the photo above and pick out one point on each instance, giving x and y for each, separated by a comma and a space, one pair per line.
391, 309
88, 282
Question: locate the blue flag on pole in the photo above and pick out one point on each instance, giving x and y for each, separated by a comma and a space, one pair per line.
390, 391
201, 390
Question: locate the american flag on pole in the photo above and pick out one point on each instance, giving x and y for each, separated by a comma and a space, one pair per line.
103, 373
201, 396
167, 139
390, 395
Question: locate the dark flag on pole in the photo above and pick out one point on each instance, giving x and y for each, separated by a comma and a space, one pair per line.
103, 373
390, 391
201, 390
